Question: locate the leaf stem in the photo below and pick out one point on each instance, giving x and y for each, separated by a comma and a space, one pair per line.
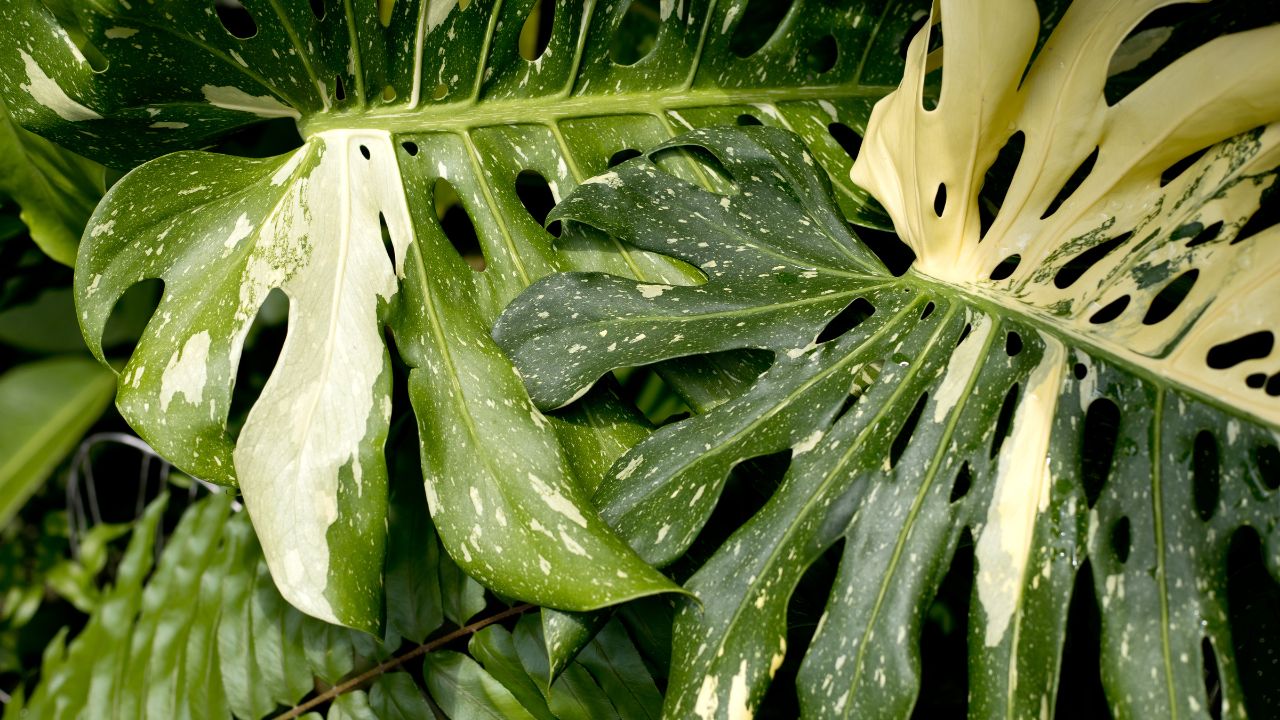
395, 662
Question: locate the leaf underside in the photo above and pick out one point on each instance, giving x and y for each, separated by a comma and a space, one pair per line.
392, 109
919, 407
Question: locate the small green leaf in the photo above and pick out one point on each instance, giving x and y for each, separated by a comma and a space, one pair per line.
464, 691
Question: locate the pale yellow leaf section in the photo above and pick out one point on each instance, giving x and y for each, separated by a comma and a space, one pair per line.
1224, 88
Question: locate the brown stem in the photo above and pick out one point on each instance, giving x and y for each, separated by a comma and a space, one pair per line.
395, 662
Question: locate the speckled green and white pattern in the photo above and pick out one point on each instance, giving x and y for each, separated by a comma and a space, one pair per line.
884, 420
436, 91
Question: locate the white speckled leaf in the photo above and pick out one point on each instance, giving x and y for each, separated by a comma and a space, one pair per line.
388, 106
955, 400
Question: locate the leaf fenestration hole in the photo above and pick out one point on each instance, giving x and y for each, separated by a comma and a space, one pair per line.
903, 437
1012, 344
1252, 598
535, 194
622, 156
1077, 266
410, 147
262, 346
536, 33
1253, 346
387, 244
1205, 474
339, 88
968, 328
940, 200
1006, 267
960, 486
748, 120
1172, 172
1170, 297
1256, 380
995, 184
235, 18
823, 54
850, 141
1004, 420
758, 24
928, 310
1080, 371
905, 43
317, 9
457, 226
1111, 311
637, 33
1266, 216
1121, 539
944, 682
364, 151
850, 317
1198, 233
1080, 691
1073, 183
131, 313
1267, 458
1098, 443
1273, 385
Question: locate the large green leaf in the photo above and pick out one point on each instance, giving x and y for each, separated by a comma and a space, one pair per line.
961, 397
46, 407
389, 107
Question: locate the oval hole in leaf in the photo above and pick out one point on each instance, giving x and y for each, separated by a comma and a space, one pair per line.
1212, 680
1170, 297
1006, 267
364, 151
1072, 184
850, 141
131, 313
746, 491
457, 226
637, 34
1267, 215
235, 18
1273, 385
759, 22
410, 147
1004, 419
968, 328
535, 194
1198, 233
339, 88
1253, 346
823, 54
850, 317
1267, 458
804, 609
622, 156
1256, 380
1012, 344
1111, 311
262, 346
1252, 598
903, 437
995, 183
1080, 371
1121, 540
1205, 474
1098, 446
944, 683
536, 33
1077, 266
960, 486
940, 200
1080, 691
748, 120
1172, 172
386, 239
928, 310
317, 9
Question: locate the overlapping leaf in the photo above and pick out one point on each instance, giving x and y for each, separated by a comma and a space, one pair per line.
957, 401
390, 106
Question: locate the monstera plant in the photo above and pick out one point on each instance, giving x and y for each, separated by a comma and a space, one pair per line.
1075, 376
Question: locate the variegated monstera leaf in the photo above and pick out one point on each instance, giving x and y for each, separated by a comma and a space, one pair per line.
396, 100
1087, 372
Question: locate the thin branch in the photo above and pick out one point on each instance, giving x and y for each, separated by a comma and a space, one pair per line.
395, 662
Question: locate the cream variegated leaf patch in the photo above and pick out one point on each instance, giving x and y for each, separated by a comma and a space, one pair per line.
405, 108
1083, 380
308, 459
